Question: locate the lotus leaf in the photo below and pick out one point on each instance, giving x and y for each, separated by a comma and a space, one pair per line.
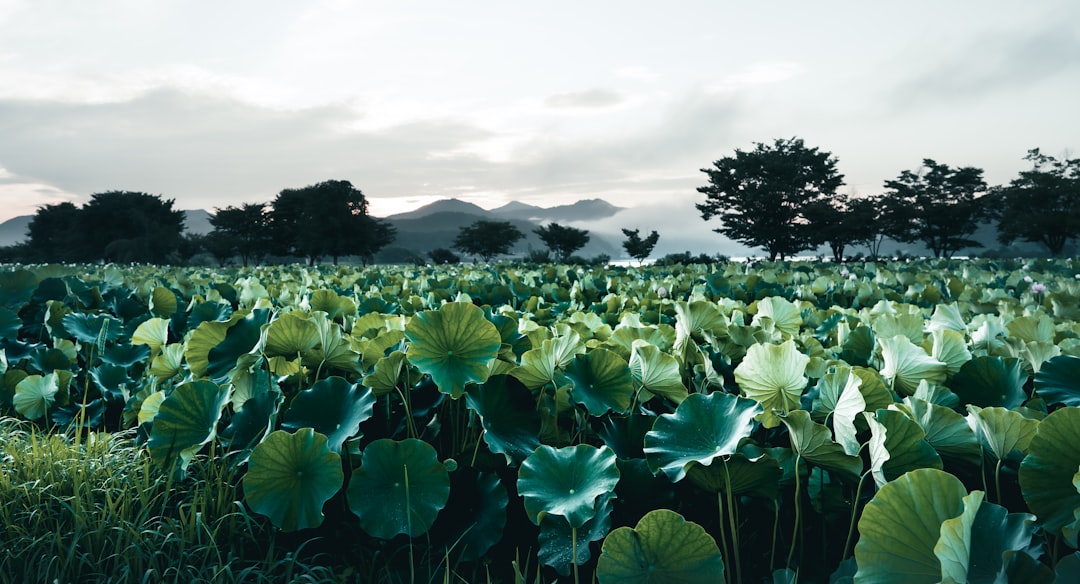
559, 542
1048, 471
950, 348
839, 396
475, 514
785, 316
202, 340
813, 442
153, 333
112, 381
168, 363
858, 346
150, 406
240, 339
455, 345
207, 312
508, 414
1001, 431
905, 364
750, 472
10, 323
290, 335
333, 407
773, 375
897, 445
976, 545
602, 382
702, 428
947, 317
35, 394
906, 324
663, 548
16, 287
162, 302
1058, 381
336, 307
947, 431
400, 487
694, 318
92, 329
290, 477
566, 481
990, 381
253, 420
538, 366
901, 526
1032, 328
333, 350
657, 372
123, 354
186, 420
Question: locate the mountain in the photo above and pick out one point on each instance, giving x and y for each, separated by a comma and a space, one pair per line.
584, 210
13, 230
197, 222
443, 206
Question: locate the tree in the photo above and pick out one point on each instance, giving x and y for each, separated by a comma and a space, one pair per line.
638, 248
55, 234
246, 228
562, 241
843, 221
130, 226
487, 239
442, 256
938, 206
761, 196
1042, 205
326, 219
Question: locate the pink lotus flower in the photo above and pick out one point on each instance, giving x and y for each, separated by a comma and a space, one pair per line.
1038, 287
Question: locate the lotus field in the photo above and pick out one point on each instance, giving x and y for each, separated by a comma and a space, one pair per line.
815, 422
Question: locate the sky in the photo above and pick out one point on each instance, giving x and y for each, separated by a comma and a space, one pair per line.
219, 103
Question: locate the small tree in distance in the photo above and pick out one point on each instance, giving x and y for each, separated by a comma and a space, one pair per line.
487, 239
638, 248
442, 256
562, 241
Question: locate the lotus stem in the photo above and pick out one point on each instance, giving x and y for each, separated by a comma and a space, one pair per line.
408, 523
733, 522
573, 552
854, 510
997, 482
723, 535
798, 513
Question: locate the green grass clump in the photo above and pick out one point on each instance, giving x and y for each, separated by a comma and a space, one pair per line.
96, 509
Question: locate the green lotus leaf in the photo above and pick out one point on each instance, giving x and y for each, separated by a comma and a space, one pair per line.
950, 347
839, 396
657, 372
253, 420
906, 324
112, 381
785, 316
662, 337
947, 317
153, 333
249, 382
538, 366
1048, 470
16, 287
1037, 353
333, 407
1068, 568
975, 545
203, 340
290, 477
1001, 431
455, 345
901, 526
333, 350
150, 407
10, 323
1058, 381
290, 334
1032, 328
557, 538
773, 375
702, 428
186, 420
35, 394
936, 394
947, 431
125, 354
905, 364
92, 328
566, 481
336, 307
602, 382
990, 381
474, 518
749, 472
240, 339
814, 443
696, 317
858, 346
400, 487
663, 548
162, 302
507, 411
168, 362
897, 445
375, 349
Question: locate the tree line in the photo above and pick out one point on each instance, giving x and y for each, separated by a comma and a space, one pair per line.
783, 198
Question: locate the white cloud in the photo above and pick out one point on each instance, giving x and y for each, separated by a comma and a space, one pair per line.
590, 98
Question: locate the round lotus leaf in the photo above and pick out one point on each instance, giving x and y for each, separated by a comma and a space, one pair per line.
455, 345
947, 431
750, 472
901, 525
126, 354
814, 444
539, 366
92, 328
290, 477
289, 335
1000, 431
702, 428
774, 376
1048, 472
897, 445
557, 538
35, 394
112, 381
333, 407
16, 287
254, 419
990, 381
566, 481
657, 372
202, 340
207, 312
785, 316
400, 487
663, 548
336, 307
1058, 381
839, 397
241, 337
975, 546
906, 364
507, 411
162, 302
10, 323
185, 421
602, 382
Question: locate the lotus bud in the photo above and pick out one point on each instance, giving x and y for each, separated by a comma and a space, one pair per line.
661, 292
1027, 279
1038, 287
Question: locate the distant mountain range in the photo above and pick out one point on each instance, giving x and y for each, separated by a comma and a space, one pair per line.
14, 230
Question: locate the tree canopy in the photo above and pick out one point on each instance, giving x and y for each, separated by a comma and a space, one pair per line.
639, 248
487, 239
1042, 205
561, 240
938, 206
329, 218
242, 230
761, 196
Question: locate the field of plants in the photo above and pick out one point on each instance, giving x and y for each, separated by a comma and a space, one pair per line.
780, 422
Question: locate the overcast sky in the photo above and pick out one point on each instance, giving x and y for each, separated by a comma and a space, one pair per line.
217, 103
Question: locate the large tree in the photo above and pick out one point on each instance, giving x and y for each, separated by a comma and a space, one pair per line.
639, 248
937, 205
761, 196
562, 240
1042, 205
131, 226
487, 239
55, 234
246, 229
326, 219
844, 221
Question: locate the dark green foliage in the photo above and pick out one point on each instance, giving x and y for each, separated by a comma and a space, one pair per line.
1042, 205
762, 196
487, 239
562, 240
442, 256
244, 229
639, 248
